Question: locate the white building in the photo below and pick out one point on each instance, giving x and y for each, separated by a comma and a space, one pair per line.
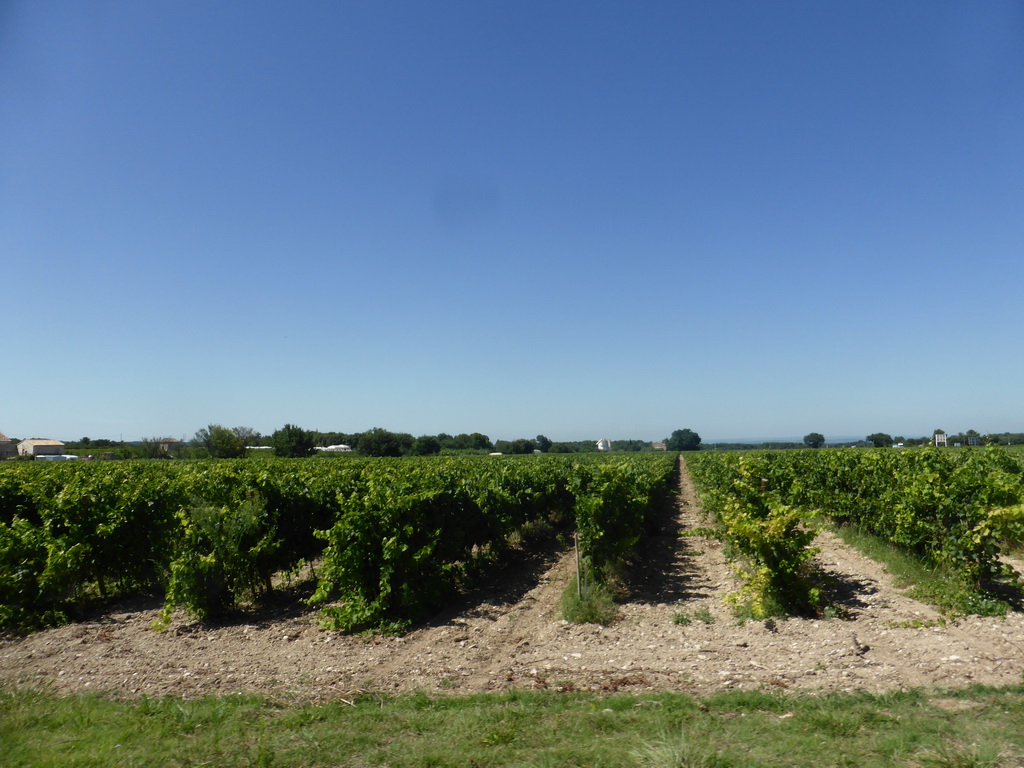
604, 444
37, 447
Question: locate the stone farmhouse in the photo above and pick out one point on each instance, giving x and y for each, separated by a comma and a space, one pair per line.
36, 447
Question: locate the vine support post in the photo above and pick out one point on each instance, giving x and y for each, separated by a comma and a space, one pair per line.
579, 569
582, 573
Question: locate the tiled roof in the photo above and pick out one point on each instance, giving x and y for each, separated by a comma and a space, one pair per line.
43, 442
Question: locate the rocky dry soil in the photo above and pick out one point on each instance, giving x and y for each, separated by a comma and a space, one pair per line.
513, 637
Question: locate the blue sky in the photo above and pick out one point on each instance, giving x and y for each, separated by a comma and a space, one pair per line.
579, 219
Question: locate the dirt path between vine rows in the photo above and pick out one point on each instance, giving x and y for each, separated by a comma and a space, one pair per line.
675, 633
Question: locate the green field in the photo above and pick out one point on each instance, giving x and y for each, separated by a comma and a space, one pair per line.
981, 728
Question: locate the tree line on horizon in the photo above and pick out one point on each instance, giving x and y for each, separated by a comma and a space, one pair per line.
217, 441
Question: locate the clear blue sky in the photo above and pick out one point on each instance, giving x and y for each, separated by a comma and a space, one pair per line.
580, 219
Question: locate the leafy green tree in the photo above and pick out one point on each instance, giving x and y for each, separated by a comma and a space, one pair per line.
380, 442
523, 446
426, 445
683, 440
480, 441
149, 448
543, 443
247, 435
880, 439
520, 446
292, 442
814, 440
474, 442
220, 442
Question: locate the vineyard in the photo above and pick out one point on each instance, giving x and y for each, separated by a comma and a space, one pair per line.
397, 538
749, 587
958, 511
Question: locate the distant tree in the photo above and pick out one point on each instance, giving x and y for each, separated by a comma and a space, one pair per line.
426, 445
543, 443
683, 440
291, 441
149, 448
575, 446
202, 437
220, 442
880, 439
225, 444
380, 442
1004, 438
466, 442
247, 435
814, 440
631, 446
85, 442
520, 446
523, 446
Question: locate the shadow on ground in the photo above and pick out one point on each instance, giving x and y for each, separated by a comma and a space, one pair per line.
663, 569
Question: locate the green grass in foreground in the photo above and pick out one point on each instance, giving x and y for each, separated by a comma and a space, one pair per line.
982, 727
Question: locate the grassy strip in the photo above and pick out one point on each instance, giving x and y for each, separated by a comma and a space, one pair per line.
595, 606
981, 727
938, 587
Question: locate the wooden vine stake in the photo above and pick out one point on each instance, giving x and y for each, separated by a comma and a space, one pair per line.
582, 580
579, 570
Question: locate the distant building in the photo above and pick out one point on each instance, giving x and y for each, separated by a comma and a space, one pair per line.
604, 444
659, 446
335, 448
7, 448
37, 447
168, 444
940, 439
